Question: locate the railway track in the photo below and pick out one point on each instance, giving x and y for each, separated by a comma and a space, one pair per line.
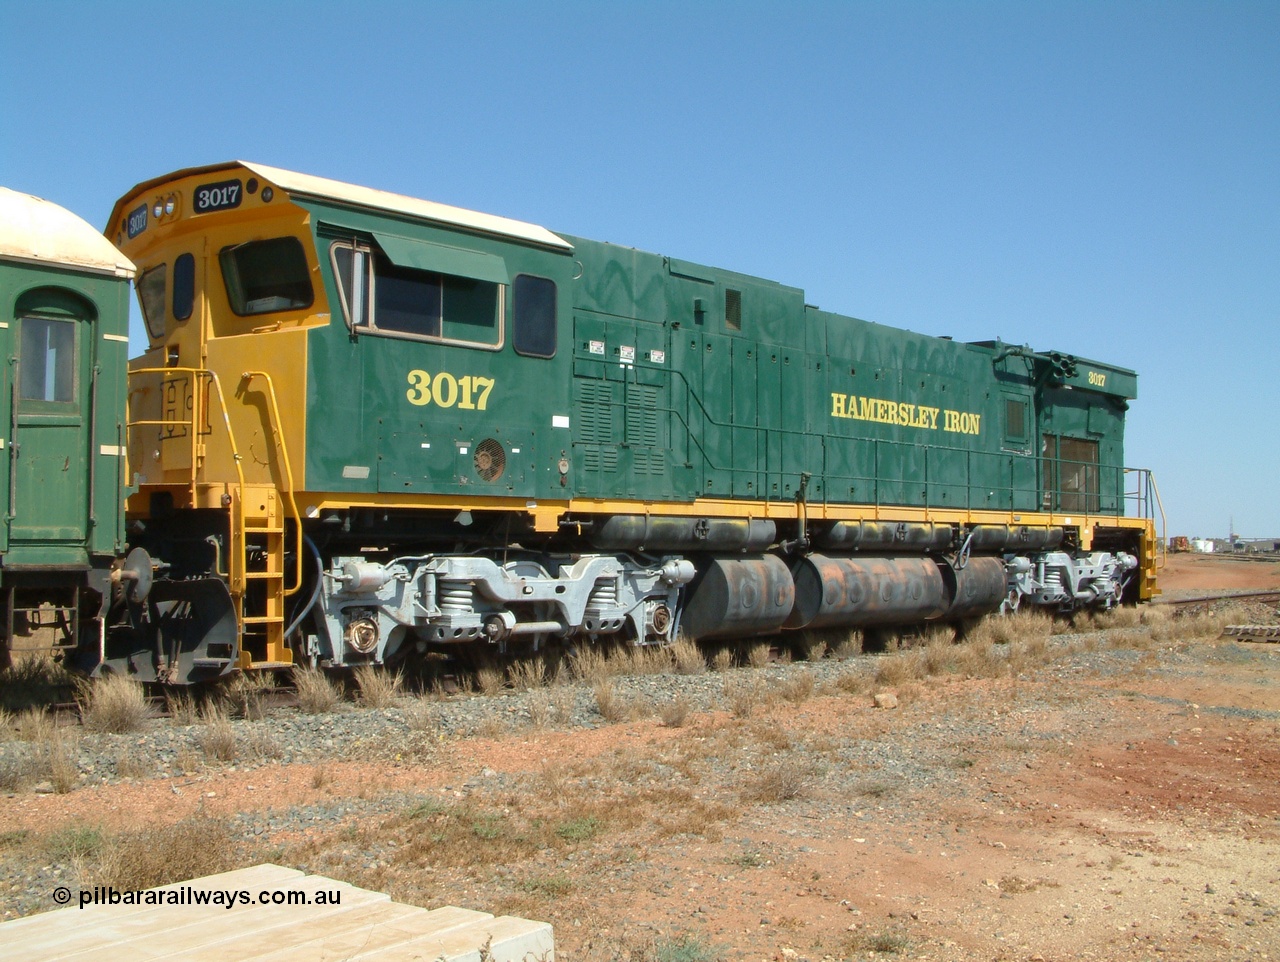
1263, 597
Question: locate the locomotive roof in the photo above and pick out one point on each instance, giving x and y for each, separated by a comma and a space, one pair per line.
40, 232
350, 195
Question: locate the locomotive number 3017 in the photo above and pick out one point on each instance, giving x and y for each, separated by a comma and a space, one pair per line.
469, 393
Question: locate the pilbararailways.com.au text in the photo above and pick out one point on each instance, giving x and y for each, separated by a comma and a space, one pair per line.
187, 895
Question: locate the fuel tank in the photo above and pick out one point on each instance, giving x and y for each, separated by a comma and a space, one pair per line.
855, 591
976, 589
739, 596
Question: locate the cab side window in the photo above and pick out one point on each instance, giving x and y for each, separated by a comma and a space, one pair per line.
534, 321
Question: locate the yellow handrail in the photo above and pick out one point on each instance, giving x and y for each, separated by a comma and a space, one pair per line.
278, 431
1163, 552
237, 530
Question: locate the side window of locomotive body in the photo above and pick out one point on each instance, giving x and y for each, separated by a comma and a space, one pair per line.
48, 361
184, 286
534, 316
381, 297
263, 277
151, 289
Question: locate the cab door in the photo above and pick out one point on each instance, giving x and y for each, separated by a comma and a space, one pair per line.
49, 427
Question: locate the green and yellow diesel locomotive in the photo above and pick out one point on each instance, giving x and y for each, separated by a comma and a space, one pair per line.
64, 328
368, 425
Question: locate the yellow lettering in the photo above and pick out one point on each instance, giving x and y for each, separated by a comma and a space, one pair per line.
469, 392
901, 413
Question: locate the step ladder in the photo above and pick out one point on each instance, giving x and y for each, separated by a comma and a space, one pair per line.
259, 580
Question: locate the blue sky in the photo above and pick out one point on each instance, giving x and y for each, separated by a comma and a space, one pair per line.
1096, 178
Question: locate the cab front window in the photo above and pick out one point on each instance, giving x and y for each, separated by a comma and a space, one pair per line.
266, 276
151, 285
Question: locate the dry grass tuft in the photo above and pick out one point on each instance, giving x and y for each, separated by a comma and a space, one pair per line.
490, 681
420, 715
63, 771
113, 703
780, 781
798, 687
900, 668
317, 693
131, 766
1023, 624
941, 657
853, 681
1027, 653
190, 848
589, 664
1201, 625
492, 726
813, 645
1156, 616
181, 707
247, 694
563, 701
379, 688
979, 658
218, 739
744, 695
850, 646
528, 674
675, 712
34, 680
647, 660
723, 659
1123, 617
688, 658
609, 703
34, 725
758, 656
541, 709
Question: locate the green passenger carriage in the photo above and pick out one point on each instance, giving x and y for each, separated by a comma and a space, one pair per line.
64, 316
368, 425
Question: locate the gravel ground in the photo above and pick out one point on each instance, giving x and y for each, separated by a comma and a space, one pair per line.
959, 747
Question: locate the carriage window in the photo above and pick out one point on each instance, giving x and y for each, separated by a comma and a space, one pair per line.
534, 322
381, 297
184, 286
151, 296
266, 276
48, 371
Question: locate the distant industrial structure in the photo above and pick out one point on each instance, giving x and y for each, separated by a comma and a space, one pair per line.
1233, 544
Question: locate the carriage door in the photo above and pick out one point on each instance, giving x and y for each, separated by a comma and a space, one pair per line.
48, 447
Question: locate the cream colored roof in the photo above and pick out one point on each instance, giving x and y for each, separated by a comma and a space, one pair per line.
41, 232
324, 189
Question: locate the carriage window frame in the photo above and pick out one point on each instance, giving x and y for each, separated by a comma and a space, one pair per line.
532, 330
152, 300
66, 375
367, 302
237, 296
